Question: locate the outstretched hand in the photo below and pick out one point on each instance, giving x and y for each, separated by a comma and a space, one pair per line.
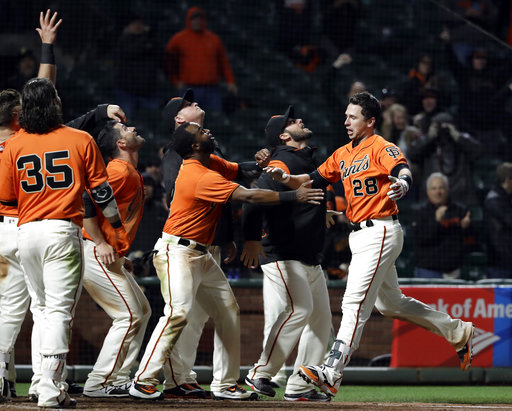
48, 30
277, 174
305, 194
398, 188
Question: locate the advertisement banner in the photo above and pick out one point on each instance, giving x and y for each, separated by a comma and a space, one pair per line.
490, 310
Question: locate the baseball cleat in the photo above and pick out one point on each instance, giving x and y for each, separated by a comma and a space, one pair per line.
261, 386
466, 353
110, 391
5, 392
208, 394
315, 375
185, 391
312, 395
235, 392
145, 392
74, 388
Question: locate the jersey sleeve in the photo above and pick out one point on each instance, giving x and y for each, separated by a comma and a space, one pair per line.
330, 169
225, 168
390, 156
279, 164
7, 188
214, 188
95, 171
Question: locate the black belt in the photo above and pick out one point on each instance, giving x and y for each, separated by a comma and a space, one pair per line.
369, 223
188, 243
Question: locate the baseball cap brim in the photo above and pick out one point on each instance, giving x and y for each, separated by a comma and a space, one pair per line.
174, 105
276, 125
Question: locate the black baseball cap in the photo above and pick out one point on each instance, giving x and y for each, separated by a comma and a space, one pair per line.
174, 105
276, 125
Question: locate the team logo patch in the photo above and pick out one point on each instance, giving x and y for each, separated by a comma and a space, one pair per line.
393, 151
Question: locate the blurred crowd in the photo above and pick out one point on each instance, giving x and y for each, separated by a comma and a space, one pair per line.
448, 112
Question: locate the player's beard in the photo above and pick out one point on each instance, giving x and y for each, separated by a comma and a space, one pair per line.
304, 134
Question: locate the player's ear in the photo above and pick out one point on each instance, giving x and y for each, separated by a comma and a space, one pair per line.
121, 143
371, 122
284, 137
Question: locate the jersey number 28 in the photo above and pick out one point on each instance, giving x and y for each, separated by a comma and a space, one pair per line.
368, 186
59, 176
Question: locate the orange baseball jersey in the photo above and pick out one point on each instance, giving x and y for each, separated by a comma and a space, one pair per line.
7, 211
196, 206
364, 172
47, 173
128, 187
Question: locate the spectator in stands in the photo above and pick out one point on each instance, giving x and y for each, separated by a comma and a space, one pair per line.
498, 211
25, 70
431, 105
152, 167
420, 77
396, 128
483, 89
195, 57
294, 25
465, 38
137, 67
388, 97
447, 150
340, 19
439, 229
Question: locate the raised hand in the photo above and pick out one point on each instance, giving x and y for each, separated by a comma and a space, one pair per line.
277, 174
48, 30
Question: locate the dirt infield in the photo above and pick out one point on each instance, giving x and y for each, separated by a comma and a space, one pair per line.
203, 405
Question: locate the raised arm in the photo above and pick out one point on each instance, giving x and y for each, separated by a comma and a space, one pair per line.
48, 34
292, 181
302, 194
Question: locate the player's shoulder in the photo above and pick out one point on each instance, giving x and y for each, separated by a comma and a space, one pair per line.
78, 135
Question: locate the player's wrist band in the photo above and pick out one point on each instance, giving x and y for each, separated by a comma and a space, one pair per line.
407, 179
47, 55
287, 196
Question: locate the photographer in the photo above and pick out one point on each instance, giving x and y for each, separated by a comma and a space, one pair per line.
447, 150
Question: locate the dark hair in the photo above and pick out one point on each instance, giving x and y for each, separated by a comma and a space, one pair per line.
41, 110
503, 171
107, 139
369, 104
182, 140
10, 100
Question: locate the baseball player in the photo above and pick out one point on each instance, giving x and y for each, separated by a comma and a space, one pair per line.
180, 380
44, 171
106, 279
296, 301
375, 174
186, 268
14, 295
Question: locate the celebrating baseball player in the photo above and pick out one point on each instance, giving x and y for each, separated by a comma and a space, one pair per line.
14, 295
180, 380
106, 279
44, 171
186, 268
296, 301
375, 174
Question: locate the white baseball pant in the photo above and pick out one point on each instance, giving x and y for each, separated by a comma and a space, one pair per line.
187, 277
115, 290
178, 369
373, 281
297, 309
14, 297
51, 254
